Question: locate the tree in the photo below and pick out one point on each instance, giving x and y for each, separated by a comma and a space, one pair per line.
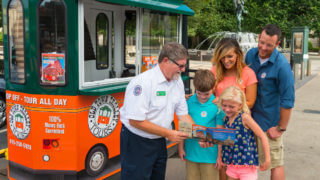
285, 13
219, 15
210, 16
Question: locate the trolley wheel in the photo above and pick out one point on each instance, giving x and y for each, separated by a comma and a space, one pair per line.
3, 112
96, 160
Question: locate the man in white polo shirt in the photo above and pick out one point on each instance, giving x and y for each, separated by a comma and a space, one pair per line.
151, 99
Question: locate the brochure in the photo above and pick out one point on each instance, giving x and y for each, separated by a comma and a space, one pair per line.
222, 136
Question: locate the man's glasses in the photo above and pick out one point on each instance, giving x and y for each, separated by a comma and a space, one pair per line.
181, 66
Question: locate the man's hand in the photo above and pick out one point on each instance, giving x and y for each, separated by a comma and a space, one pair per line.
177, 136
273, 133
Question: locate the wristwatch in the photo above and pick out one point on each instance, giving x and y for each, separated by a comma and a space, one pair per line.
280, 129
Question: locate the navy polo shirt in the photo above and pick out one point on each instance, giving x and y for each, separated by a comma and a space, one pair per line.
275, 87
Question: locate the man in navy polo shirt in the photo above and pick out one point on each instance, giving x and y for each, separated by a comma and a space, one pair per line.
275, 96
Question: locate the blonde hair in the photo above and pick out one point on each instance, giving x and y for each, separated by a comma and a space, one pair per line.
225, 46
234, 93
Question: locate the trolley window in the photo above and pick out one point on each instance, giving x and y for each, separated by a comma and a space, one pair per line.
98, 43
130, 44
52, 32
102, 32
158, 29
16, 42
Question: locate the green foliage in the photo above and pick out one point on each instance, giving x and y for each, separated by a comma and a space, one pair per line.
219, 15
211, 16
285, 13
316, 49
1, 37
310, 46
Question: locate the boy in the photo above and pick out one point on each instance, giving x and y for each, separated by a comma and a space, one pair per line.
201, 162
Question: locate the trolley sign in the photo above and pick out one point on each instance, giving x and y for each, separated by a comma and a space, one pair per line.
103, 116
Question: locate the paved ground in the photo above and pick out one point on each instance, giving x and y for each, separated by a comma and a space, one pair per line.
301, 140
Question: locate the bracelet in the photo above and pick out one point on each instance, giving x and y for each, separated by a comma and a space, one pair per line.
280, 129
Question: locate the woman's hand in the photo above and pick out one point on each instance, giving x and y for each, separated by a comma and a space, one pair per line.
187, 96
215, 101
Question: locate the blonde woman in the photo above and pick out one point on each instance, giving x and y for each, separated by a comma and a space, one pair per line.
229, 69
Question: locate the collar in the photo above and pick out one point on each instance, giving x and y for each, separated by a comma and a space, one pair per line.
160, 76
194, 99
272, 58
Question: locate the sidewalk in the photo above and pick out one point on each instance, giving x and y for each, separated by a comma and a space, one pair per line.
301, 140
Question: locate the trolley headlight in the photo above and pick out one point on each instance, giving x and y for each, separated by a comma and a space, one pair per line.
46, 158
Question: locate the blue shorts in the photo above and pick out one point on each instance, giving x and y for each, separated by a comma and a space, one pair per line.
142, 158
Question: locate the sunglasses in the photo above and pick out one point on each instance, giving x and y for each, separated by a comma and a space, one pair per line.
181, 66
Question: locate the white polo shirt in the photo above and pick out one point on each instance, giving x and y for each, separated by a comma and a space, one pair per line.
149, 96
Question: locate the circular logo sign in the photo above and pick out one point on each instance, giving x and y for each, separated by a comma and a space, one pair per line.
19, 121
103, 116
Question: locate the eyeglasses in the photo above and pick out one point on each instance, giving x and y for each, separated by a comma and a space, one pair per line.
181, 66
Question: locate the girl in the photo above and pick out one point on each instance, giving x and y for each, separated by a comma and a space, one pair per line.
242, 158
230, 70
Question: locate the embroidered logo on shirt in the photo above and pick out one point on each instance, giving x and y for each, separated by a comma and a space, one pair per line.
203, 114
263, 75
137, 90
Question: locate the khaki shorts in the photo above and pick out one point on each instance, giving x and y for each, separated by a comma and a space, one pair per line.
276, 151
201, 171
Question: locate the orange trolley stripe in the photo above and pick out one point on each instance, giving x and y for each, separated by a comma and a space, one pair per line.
110, 174
54, 109
171, 145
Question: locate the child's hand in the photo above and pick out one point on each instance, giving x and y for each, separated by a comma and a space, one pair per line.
219, 163
264, 166
182, 154
205, 144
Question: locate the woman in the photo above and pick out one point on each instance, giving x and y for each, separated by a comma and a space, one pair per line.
229, 69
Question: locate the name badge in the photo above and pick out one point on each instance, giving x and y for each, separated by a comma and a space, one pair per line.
161, 93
